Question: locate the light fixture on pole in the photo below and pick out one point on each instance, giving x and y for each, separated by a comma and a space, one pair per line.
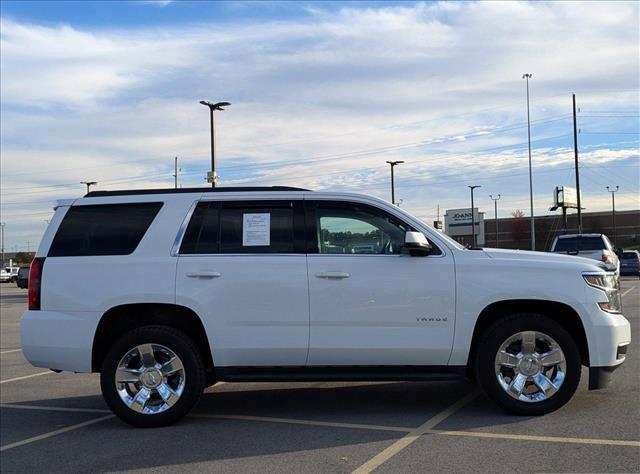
528, 76
217, 106
495, 214
88, 184
473, 218
613, 212
393, 186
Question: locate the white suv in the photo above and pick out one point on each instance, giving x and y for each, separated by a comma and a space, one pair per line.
166, 292
594, 246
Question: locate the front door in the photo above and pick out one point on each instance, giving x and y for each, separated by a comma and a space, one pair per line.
243, 270
371, 303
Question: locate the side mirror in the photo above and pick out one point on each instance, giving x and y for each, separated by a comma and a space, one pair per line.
417, 244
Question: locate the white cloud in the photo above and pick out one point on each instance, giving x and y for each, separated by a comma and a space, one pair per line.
157, 3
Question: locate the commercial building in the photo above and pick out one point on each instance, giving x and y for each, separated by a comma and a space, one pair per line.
515, 232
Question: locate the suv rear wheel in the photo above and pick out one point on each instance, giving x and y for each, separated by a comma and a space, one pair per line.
152, 376
528, 364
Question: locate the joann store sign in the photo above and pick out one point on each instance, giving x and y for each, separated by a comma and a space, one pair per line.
457, 223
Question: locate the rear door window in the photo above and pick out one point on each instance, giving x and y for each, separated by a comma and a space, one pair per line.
103, 229
249, 227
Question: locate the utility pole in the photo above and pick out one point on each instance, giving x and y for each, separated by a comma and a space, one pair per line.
528, 76
217, 106
2, 224
88, 184
175, 173
495, 214
613, 212
575, 151
393, 186
473, 219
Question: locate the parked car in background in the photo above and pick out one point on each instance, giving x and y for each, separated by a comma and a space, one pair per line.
13, 273
5, 276
23, 277
630, 263
593, 246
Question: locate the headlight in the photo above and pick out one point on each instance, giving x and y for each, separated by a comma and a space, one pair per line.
608, 283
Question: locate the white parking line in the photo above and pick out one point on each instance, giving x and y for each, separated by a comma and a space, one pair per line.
10, 351
66, 429
296, 421
627, 290
46, 408
412, 436
15, 379
547, 439
267, 419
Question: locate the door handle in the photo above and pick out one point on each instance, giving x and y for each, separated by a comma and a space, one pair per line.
204, 275
333, 275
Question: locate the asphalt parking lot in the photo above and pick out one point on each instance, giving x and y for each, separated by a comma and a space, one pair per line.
59, 422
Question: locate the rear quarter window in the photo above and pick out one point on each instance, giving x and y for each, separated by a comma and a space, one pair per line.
104, 229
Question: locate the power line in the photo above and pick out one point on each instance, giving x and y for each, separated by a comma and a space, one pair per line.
468, 134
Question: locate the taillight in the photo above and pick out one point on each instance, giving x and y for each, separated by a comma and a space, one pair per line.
35, 282
605, 257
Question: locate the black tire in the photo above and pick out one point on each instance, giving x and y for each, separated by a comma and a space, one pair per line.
497, 334
177, 342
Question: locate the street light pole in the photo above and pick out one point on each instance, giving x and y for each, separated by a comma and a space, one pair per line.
393, 186
495, 214
217, 106
473, 218
2, 224
528, 76
613, 212
575, 152
88, 184
175, 172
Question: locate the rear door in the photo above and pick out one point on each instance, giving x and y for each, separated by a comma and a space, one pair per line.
242, 268
371, 302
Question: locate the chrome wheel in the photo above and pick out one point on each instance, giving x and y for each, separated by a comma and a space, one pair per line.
150, 378
530, 366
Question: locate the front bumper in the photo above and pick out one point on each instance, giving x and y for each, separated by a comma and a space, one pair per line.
60, 341
608, 337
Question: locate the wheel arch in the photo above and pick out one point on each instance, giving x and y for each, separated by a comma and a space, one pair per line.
123, 318
561, 313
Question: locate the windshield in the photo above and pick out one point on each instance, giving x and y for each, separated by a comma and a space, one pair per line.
577, 244
630, 255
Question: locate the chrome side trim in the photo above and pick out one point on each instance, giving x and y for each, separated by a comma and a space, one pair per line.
183, 228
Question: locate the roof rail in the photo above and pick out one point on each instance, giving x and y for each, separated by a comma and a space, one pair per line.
230, 189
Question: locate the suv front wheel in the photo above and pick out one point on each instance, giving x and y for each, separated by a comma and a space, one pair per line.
528, 364
152, 376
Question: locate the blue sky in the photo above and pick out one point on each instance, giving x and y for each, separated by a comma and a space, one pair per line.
323, 93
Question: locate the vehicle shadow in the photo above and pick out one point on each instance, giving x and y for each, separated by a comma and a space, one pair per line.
198, 439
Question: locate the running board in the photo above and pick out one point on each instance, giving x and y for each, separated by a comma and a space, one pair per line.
339, 373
